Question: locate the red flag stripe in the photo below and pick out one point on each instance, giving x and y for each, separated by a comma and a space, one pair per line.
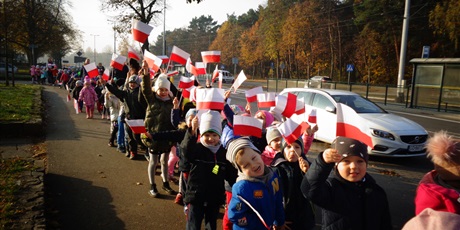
210, 105
247, 130
296, 133
351, 131
210, 56
179, 55
266, 104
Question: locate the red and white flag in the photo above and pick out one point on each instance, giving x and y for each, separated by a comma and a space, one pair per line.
106, 75
210, 56
172, 74
285, 104
266, 100
210, 98
293, 128
189, 65
312, 116
350, 125
153, 61
200, 68
136, 125
140, 30
300, 106
239, 80
179, 55
132, 53
118, 61
186, 93
91, 69
251, 95
186, 82
215, 74
164, 58
247, 126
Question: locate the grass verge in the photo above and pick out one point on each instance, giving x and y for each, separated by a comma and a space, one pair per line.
18, 103
10, 184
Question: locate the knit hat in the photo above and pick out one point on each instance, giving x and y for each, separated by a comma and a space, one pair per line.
133, 79
268, 117
350, 147
272, 133
298, 141
79, 83
191, 112
236, 145
431, 219
210, 122
87, 82
444, 152
161, 82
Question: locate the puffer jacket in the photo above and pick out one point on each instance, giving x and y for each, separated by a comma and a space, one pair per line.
346, 205
136, 104
157, 117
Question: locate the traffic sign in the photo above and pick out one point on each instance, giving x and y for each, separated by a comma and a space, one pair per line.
350, 67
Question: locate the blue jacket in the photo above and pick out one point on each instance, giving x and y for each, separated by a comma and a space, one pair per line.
264, 195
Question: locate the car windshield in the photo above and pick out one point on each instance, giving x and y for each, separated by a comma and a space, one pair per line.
358, 103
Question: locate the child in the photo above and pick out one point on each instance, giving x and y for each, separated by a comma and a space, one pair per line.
256, 190
113, 104
89, 97
439, 189
76, 94
351, 199
291, 165
209, 168
273, 144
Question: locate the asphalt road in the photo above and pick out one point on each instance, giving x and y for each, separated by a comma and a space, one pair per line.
92, 186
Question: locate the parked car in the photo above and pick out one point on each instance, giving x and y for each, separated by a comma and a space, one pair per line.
227, 77
392, 135
316, 81
11, 68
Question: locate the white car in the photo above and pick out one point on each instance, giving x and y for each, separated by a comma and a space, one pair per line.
11, 68
392, 135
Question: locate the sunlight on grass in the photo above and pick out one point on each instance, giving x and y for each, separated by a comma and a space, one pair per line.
18, 103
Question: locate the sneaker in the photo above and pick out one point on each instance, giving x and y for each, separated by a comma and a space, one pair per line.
111, 144
179, 199
132, 155
154, 192
168, 189
121, 150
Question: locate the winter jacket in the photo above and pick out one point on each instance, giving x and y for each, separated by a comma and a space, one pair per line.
430, 194
76, 92
158, 116
346, 205
136, 104
113, 104
88, 95
207, 172
298, 209
263, 194
268, 155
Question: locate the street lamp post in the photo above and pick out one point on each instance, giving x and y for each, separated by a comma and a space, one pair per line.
94, 39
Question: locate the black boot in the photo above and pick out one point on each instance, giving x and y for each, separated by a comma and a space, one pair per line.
168, 189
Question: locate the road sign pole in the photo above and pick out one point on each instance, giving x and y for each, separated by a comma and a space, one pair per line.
348, 77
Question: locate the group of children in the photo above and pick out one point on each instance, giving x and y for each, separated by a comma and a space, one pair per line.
264, 183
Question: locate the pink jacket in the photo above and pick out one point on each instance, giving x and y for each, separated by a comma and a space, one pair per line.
432, 195
88, 95
268, 154
307, 140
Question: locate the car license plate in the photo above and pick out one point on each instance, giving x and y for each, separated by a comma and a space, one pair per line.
416, 148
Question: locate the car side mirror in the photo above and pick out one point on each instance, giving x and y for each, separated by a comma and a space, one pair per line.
330, 109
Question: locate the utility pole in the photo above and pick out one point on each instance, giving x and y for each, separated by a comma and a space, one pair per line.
94, 39
164, 27
402, 54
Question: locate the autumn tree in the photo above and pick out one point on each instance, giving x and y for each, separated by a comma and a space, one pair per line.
445, 20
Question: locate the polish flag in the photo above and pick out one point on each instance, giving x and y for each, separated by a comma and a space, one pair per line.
164, 58
186, 93
300, 106
200, 68
192, 94
152, 73
285, 104
247, 126
251, 95
140, 30
91, 69
239, 80
186, 82
293, 128
179, 55
266, 100
350, 125
106, 75
189, 65
312, 116
136, 125
173, 73
132, 53
215, 74
153, 61
210, 98
118, 61
210, 56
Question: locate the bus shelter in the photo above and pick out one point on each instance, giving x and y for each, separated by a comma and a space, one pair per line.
436, 83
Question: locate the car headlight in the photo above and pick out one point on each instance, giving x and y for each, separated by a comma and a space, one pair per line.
382, 134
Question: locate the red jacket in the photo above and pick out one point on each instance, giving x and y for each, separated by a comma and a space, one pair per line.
432, 195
